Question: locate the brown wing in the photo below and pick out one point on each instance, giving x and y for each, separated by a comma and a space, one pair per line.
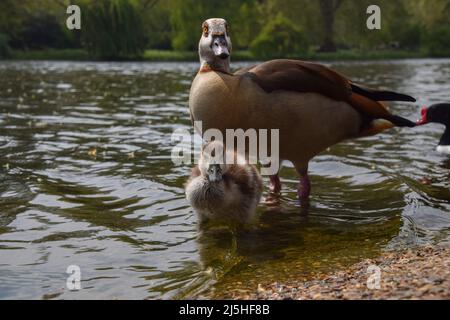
295, 75
301, 76
243, 70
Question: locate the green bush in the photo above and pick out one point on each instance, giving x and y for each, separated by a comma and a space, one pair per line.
43, 30
438, 41
410, 36
113, 29
279, 38
5, 51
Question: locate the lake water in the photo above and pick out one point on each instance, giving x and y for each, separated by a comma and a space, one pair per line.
87, 180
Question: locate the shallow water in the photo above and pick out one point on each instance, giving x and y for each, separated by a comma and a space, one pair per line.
87, 180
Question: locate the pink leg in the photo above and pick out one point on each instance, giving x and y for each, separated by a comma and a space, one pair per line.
304, 186
275, 184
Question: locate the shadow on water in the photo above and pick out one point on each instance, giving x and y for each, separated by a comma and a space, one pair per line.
86, 179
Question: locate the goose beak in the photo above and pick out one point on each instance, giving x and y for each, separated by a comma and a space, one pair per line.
424, 119
220, 47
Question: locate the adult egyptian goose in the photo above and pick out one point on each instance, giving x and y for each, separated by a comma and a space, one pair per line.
438, 113
223, 192
313, 106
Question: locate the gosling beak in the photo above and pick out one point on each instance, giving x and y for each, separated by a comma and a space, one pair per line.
220, 47
424, 119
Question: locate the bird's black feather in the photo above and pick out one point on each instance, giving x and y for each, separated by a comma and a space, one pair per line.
380, 95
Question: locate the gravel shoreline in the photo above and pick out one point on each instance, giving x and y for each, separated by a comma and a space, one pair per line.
420, 273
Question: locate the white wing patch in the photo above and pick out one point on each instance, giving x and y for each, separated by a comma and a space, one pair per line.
443, 149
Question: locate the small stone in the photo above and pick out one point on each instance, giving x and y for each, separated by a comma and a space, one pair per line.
261, 289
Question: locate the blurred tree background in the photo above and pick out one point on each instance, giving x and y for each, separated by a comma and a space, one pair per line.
125, 29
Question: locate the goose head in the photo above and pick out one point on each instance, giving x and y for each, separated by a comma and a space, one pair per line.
211, 164
215, 45
438, 113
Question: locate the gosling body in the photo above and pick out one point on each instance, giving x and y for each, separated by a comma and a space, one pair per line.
224, 193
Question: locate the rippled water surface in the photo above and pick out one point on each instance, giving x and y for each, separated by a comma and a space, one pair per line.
87, 180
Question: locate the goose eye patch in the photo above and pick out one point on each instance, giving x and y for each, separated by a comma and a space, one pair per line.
205, 30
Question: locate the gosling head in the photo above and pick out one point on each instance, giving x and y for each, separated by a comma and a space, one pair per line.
215, 45
212, 164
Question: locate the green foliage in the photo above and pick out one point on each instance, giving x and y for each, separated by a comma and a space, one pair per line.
113, 29
438, 41
410, 36
11, 19
435, 25
430, 13
186, 17
246, 23
279, 38
158, 28
5, 51
43, 30
123, 29
398, 28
